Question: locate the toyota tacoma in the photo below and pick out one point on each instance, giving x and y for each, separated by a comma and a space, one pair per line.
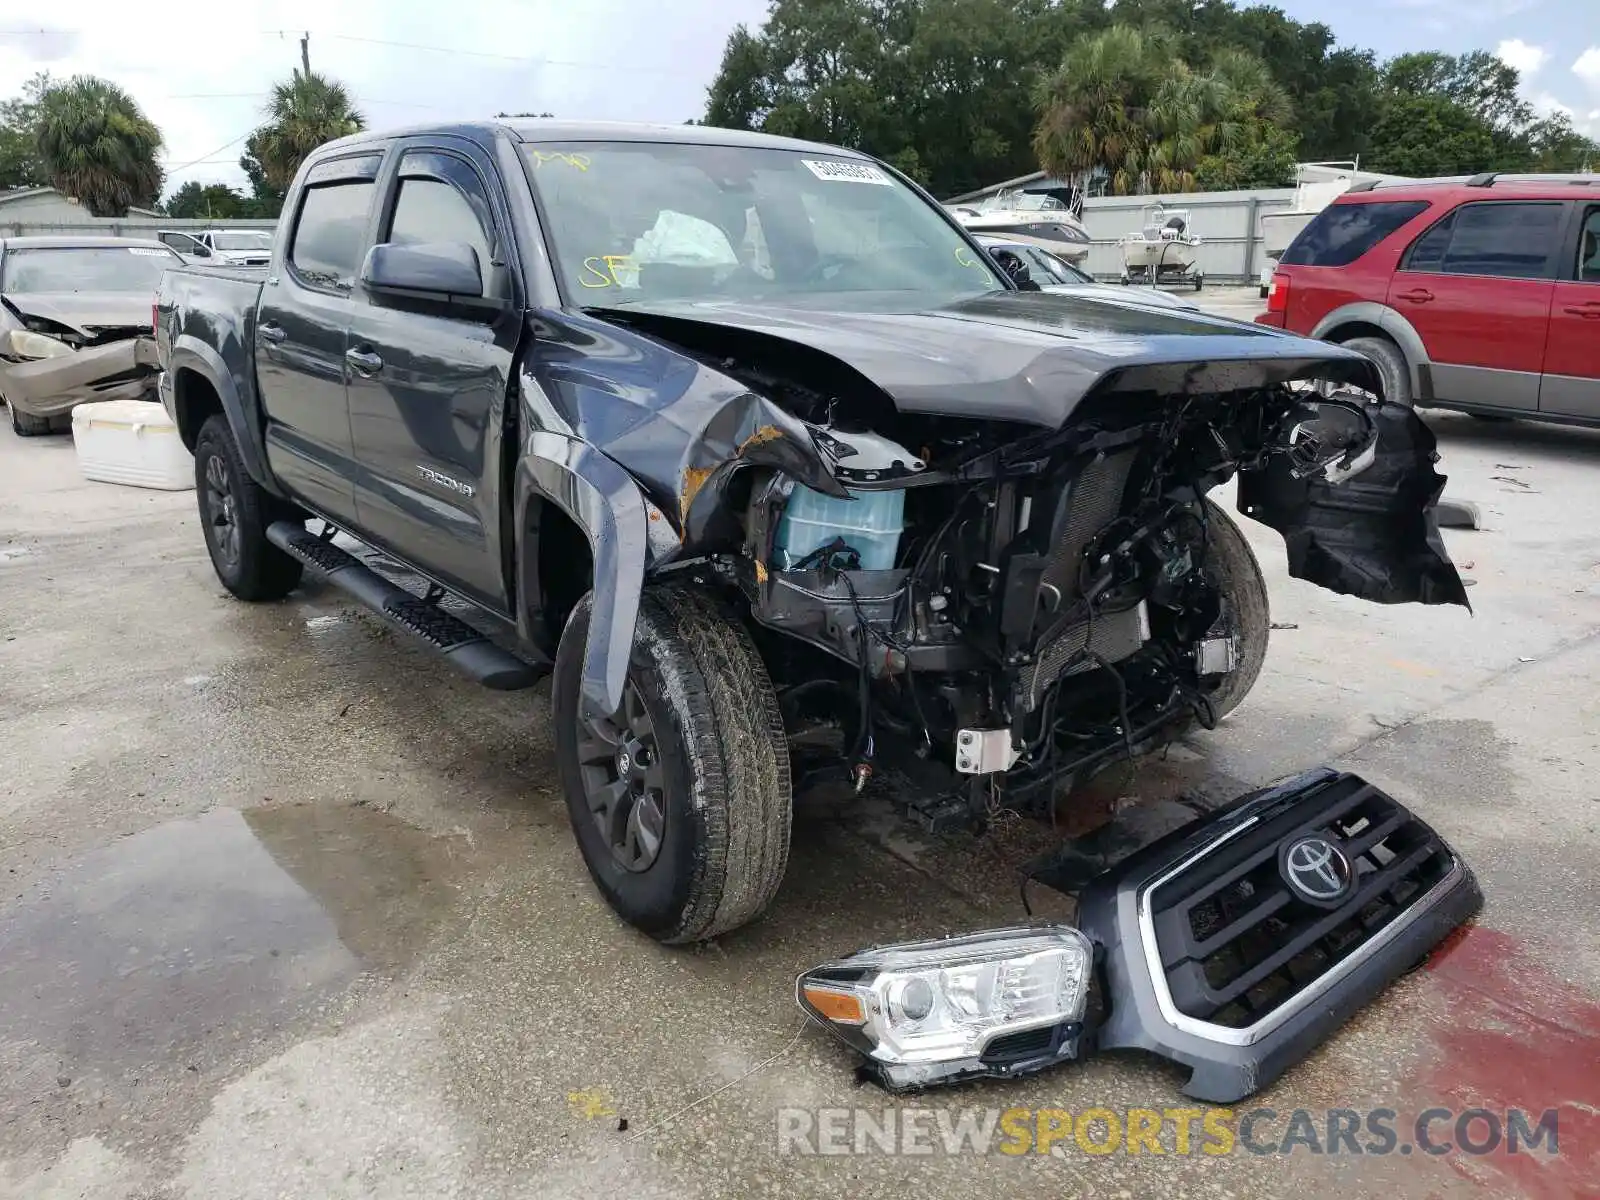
776, 471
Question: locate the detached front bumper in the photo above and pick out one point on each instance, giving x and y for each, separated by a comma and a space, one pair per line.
51, 387
1234, 946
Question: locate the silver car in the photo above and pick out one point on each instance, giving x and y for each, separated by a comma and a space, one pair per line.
1054, 274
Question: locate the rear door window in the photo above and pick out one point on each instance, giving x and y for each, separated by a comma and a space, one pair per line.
1342, 233
1589, 248
331, 232
1507, 240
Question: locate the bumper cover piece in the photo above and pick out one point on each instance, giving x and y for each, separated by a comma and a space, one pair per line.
1239, 942
50, 387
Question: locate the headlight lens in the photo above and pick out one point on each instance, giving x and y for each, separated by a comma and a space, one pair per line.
995, 1003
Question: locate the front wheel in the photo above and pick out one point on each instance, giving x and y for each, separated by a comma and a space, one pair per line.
26, 424
681, 801
1244, 593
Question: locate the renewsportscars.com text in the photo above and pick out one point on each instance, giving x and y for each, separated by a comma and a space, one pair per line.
1176, 1131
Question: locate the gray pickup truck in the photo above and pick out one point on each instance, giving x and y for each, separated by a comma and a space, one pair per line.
780, 474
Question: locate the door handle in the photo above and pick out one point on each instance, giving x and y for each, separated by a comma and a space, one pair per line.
1416, 295
1589, 310
364, 362
273, 332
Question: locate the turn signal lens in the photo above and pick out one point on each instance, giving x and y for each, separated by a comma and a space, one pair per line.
836, 1006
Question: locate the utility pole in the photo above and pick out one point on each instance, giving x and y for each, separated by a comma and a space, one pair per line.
305, 52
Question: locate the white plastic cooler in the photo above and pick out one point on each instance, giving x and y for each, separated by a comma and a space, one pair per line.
132, 442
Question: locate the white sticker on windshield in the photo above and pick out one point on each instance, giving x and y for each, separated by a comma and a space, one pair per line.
146, 252
846, 172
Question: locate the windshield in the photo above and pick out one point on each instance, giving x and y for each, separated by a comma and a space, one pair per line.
649, 221
85, 269
241, 241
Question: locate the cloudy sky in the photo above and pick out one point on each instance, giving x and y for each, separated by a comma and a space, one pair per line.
203, 76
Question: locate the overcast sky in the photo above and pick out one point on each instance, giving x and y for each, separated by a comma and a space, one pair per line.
202, 76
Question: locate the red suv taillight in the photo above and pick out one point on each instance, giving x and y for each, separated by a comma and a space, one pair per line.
155, 315
1278, 296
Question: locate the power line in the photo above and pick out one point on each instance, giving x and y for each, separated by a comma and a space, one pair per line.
207, 155
518, 58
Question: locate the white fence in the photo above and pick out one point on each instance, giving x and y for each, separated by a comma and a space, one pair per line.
1228, 224
87, 226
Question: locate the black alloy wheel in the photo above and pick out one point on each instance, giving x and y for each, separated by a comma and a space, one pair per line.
623, 782
220, 511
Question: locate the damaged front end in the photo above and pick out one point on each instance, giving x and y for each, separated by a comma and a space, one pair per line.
1004, 609
50, 374
1233, 947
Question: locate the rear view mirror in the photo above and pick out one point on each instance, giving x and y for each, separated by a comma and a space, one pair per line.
431, 270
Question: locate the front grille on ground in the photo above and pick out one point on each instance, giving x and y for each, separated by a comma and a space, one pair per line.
1236, 943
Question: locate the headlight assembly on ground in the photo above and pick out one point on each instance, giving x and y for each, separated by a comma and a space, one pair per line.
995, 1003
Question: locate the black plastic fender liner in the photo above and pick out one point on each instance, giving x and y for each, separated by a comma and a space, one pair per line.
1375, 535
1145, 976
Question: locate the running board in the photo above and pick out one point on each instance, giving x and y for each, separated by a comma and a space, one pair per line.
459, 642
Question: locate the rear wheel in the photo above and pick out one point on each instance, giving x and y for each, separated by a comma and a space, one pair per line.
235, 511
1391, 364
681, 801
1244, 593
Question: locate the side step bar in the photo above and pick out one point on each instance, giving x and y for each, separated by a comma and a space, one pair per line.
459, 642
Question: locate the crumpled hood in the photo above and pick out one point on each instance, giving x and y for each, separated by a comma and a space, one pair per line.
1017, 356
85, 311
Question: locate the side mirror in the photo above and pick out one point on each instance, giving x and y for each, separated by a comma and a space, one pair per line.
201, 250
426, 270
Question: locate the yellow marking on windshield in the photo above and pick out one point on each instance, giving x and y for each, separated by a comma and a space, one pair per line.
602, 270
580, 162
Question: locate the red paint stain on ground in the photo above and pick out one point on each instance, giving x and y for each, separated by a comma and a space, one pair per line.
1511, 1035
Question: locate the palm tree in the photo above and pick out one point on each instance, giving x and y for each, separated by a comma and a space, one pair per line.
98, 147
304, 112
1093, 109
1124, 103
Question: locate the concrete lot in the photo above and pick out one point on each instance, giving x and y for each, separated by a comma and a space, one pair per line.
292, 910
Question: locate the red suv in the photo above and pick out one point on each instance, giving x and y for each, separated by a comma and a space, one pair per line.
1481, 295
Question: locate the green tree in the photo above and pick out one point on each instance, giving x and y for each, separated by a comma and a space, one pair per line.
1125, 105
264, 200
940, 88
1479, 82
1557, 146
212, 202
1425, 135
20, 164
97, 146
304, 112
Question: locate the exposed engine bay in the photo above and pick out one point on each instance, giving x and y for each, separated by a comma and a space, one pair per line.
1003, 610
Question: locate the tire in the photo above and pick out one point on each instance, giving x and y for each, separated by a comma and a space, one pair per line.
717, 771
26, 424
235, 511
1392, 366
1245, 593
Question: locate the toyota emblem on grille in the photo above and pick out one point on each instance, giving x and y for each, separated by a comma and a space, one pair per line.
1317, 870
